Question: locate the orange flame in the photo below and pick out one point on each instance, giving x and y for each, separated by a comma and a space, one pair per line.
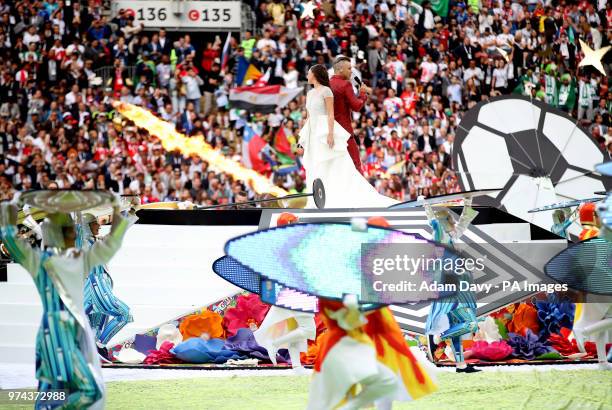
172, 140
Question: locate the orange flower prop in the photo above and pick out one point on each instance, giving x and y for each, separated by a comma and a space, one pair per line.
525, 317
207, 324
313, 350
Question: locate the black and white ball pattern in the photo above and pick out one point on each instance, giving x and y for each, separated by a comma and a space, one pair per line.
536, 153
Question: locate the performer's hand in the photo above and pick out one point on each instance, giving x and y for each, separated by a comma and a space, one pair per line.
330, 140
365, 89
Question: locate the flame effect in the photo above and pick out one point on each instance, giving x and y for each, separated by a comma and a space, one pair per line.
172, 140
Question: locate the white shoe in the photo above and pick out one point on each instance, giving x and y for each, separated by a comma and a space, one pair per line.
604, 366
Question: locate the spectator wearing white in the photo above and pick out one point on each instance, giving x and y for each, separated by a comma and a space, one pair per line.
474, 72
500, 77
291, 76
453, 91
343, 7
485, 20
192, 83
505, 39
164, 72
266, 42
428, 69
425, 13
31, 36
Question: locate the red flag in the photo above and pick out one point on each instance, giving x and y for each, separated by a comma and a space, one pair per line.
256, 144
281, 143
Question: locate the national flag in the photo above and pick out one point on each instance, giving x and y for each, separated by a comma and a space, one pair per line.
243, 66
282, 144
263, 80
226, 52
252, 73
440, 7
252, 144
262, 99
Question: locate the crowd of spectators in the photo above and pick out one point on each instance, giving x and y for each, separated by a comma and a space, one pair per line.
63, 63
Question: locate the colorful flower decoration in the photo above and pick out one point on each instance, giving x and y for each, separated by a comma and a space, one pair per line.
529, 346
554, 314
488, 331
207, 325
525, 318
249, 312
561, 343
491, 351
163, 355
504, 315
244, 343
198, 350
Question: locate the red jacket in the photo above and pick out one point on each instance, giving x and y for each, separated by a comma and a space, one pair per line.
345, 101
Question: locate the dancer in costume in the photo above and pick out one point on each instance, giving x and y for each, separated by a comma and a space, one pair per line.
453, 317
408, 364
367, 352
347, 361
107, 314
66, 357
562, 219
283, 328
593, 320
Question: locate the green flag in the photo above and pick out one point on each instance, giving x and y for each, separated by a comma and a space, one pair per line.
440, 7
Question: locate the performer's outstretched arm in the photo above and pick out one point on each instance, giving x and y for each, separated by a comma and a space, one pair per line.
102, 251
21, 251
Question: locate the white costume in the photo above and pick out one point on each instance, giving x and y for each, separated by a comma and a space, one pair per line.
286, 329
344, 186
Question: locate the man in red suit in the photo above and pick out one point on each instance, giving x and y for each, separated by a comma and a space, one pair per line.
345, 101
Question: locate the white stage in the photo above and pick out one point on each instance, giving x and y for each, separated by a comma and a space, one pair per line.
161, 272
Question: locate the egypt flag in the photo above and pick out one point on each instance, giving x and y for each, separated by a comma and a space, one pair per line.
262, 99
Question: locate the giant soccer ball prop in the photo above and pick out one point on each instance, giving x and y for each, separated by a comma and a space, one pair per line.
538, 154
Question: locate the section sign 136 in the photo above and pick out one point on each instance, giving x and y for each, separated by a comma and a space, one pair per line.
189, 15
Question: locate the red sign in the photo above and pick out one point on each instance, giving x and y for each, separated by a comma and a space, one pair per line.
193, 15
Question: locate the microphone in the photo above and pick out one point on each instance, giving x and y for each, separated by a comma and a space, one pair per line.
357, 80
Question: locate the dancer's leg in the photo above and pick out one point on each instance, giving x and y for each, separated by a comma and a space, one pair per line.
457, 349
373, 388
109, 305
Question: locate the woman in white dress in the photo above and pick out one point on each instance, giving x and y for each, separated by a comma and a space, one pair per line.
325, 154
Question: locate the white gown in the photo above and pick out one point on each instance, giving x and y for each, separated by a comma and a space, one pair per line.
344, 186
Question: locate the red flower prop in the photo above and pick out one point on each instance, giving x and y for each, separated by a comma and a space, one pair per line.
493, 351
163, 355
249, 312
525, 318
561, 344
206, 324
